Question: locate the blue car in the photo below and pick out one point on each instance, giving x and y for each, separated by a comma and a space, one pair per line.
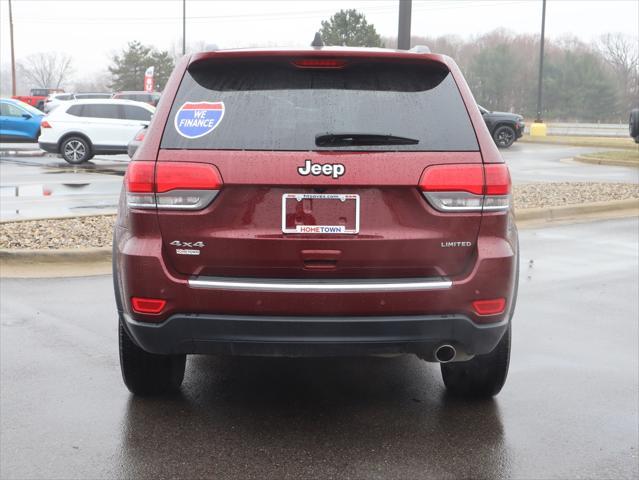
19, 121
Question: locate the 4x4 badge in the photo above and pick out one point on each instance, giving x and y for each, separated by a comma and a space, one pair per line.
334, 170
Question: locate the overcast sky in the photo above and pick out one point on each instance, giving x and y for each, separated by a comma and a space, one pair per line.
90, 30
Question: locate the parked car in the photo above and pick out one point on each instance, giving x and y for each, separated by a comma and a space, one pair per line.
19, 121
360, 207
137, 140
80, 129
88, 96
150, 98
55, 99
504, 127
37, 96
633, 124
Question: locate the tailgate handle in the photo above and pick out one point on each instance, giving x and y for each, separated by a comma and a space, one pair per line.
320, 259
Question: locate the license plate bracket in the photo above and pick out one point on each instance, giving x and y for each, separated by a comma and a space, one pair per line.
320, 213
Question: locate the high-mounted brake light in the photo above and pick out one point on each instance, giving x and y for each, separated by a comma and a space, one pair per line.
151, 306
467, 187
319, 63
171, 185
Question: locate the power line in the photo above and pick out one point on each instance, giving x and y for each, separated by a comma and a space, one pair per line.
250, 16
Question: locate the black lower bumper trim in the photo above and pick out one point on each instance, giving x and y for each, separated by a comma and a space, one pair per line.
313, 336
48, 147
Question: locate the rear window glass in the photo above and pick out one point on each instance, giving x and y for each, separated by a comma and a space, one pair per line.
277, 106
136, 113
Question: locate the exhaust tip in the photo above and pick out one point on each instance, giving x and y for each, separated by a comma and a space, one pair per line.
445, 353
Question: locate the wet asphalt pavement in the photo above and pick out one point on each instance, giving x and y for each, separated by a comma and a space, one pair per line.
569, 408
39, 187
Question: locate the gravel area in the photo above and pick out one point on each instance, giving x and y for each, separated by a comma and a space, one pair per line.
79, 232
542, 195
96, 231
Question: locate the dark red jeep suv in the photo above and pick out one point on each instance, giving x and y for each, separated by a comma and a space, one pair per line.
316, 202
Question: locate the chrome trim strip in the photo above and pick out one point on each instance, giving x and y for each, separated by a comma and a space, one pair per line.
320, 285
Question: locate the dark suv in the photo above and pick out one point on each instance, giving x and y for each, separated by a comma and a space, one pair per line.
316, 202
503, 126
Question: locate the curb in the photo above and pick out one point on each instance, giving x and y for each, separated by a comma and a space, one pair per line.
605, 161
61, 217
566, 212
101, 257
599, 145
53, 256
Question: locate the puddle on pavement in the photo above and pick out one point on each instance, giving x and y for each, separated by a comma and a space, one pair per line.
55, 165
61, 168
60, 189
43, 212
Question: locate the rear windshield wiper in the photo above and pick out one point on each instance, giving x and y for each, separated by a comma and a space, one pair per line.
355, 139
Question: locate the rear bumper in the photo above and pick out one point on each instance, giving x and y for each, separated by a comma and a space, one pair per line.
298, 317
48, 147
295, 336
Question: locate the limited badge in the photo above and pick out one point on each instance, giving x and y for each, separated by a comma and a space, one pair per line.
196, 119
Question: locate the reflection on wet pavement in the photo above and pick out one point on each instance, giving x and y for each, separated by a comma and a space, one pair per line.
46, 187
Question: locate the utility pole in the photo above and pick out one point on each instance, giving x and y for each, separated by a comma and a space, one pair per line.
403, 29
541, 61
183, 27
13, 57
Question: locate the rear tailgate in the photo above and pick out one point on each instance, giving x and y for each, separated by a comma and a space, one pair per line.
256, 122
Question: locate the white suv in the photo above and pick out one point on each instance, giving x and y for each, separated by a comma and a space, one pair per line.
80, 129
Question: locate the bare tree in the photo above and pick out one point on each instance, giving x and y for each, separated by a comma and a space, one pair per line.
46, 69
622, 54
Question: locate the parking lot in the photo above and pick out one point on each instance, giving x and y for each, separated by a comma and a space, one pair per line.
569, 408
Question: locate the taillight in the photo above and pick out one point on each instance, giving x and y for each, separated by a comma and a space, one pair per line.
140, 136
497, 194
171, 185
467, 187
45, 124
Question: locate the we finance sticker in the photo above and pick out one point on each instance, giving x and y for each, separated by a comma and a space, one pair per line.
196, 119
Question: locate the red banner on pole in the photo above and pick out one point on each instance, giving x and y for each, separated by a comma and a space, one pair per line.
148, 80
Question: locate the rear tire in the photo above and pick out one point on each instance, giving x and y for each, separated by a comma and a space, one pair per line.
146, 373
76, 150
483, 376
504, 136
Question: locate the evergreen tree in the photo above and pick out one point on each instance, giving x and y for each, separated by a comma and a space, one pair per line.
127, 69
349, 28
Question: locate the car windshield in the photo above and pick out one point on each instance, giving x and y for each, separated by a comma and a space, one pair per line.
286, 108
32, 110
